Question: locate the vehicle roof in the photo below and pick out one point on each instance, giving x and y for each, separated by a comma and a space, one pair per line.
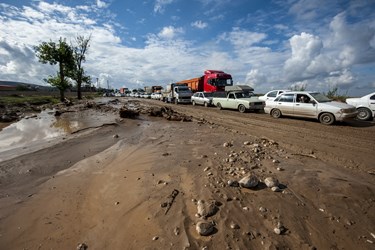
300, 92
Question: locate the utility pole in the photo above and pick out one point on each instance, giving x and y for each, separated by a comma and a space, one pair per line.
107, 84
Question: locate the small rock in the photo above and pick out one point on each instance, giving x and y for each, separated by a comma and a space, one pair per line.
117, 203
275, 189
262, 209
209, 174
276, 161
233, 183
271, 182
82, 246
207, 209
246, 208
277, 230
234, 226
279, 169
249, 181
205, 228
176, 231
115, 136
206, 169
247, 143
227, 144
155, 238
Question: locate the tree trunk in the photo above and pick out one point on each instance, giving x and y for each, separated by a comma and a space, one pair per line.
79, 92
62, 95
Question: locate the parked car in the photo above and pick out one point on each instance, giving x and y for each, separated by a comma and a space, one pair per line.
156, 96
365, 106
202, 98
271, 95
310, 105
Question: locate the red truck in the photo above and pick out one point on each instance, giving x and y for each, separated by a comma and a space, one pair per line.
211, 81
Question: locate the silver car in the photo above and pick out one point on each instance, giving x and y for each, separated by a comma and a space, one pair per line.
310, 105
271, 95
202, 98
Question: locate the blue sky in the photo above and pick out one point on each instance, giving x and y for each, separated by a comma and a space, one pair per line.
275, 44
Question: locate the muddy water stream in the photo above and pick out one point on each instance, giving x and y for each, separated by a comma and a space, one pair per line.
31, 134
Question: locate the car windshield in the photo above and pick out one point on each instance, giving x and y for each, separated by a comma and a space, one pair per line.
222, 82
244, 94
208, 94
320, 97
183, 89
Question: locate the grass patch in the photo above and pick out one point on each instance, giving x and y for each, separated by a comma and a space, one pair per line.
19, 100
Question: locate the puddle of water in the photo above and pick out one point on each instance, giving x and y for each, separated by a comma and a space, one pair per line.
33, 132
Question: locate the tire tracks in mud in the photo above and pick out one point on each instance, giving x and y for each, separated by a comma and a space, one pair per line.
349, 145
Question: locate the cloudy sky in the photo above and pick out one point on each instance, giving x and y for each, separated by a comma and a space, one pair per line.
268, 44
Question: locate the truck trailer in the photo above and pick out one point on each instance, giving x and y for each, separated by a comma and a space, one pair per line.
211, 81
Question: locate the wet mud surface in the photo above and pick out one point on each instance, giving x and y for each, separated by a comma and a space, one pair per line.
142, 183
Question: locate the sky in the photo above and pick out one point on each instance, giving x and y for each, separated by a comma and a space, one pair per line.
268, 44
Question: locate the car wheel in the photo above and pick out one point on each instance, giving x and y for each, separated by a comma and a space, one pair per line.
326, 119
276, 113
241, 108
218, 105
364, 114
193, 102
205, 104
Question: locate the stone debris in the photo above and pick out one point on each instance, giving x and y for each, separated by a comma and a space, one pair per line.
128, 113
207, 209
234, 226
205, 228
271, 182
279, 229
249, 181
176, 231
227, 144
233, 183
155, 238
170, 199
276, 189
82, 246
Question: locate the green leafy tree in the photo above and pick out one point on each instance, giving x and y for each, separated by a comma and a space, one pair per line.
79, 51
57, 53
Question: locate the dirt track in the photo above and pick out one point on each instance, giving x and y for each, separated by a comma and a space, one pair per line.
111, 195
348, 144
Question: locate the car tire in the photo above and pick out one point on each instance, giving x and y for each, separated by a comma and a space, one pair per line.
205, 104
242, 108
218, 105
364, 114
326, 119
193, 102
276, 113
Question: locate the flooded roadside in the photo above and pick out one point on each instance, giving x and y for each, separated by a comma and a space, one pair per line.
35, 132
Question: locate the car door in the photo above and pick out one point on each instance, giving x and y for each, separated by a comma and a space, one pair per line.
231, 103
285, 103
303, 106
372, 103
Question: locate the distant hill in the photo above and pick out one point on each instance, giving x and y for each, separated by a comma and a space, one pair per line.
30, 85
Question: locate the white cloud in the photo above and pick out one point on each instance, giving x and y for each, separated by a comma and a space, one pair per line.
160, 5
101, 4
199, 24
243, 38
170, 32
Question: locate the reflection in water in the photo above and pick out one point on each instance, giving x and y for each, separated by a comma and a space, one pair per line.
26, 131
46, 126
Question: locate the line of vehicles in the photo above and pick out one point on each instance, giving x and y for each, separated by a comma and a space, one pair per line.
215, 88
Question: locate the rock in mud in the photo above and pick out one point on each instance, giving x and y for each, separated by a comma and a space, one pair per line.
128, 113
271, 182
233, 183
205, 228
207, 209
82, 246
249, 181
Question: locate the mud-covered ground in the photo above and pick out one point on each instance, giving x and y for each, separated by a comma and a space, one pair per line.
149, 182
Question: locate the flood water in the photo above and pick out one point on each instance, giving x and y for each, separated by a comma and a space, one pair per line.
45, 128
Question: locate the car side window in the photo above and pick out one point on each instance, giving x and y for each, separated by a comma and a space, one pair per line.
286, 98
272, 94
231, 96
372, 97
196, 94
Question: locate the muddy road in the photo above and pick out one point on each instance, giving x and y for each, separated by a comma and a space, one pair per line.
349, 144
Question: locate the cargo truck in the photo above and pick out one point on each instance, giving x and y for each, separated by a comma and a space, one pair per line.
211, 81
177, 93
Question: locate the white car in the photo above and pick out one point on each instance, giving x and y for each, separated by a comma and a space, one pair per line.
271, 95
202, 98
365, 106
156, 96
310, 105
